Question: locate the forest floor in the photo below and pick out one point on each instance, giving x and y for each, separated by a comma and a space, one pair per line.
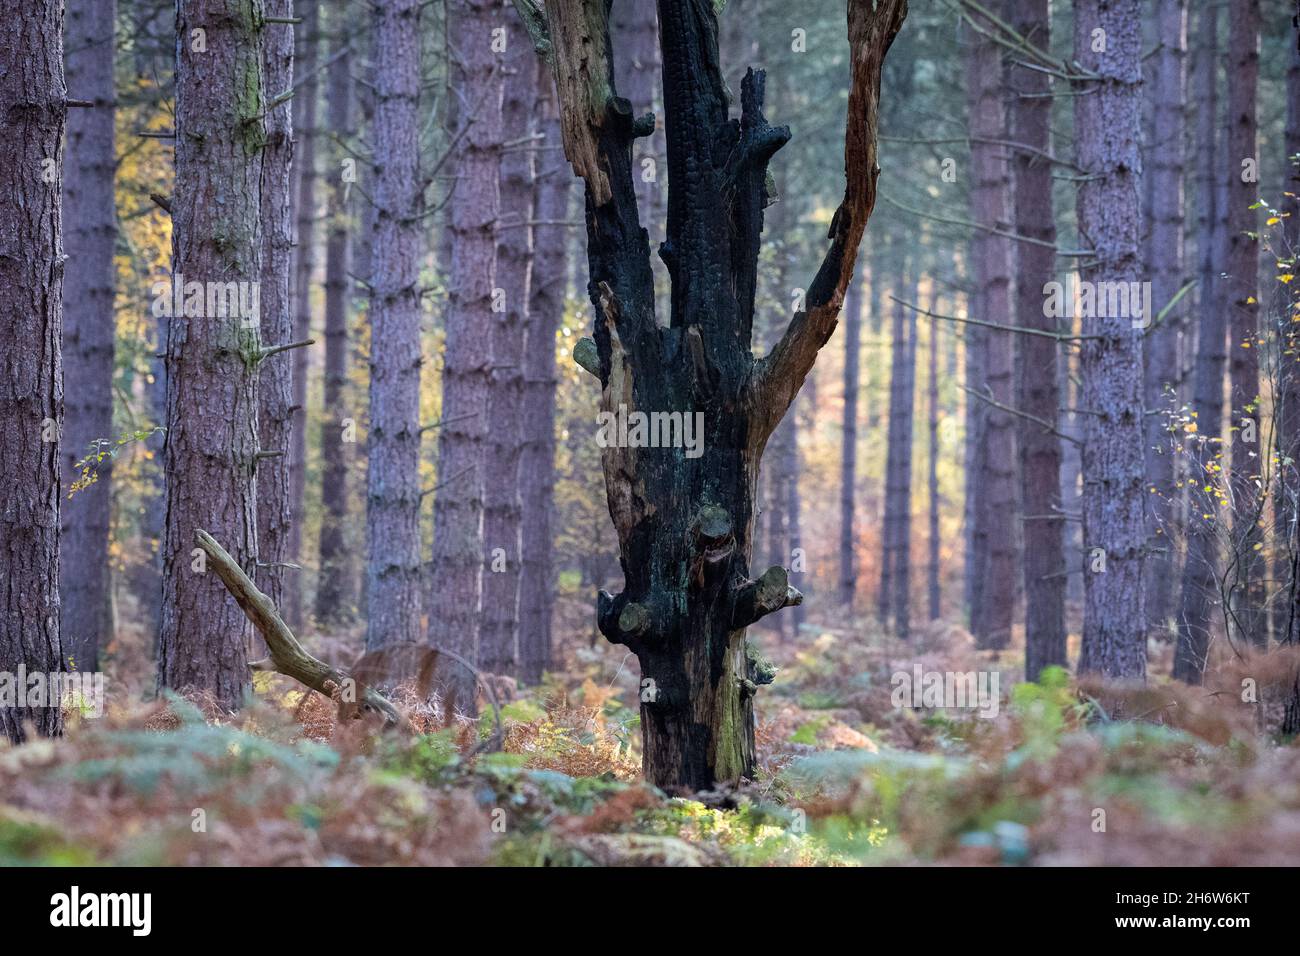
1062, 774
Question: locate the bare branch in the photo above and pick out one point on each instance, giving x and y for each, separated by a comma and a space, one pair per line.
779, 376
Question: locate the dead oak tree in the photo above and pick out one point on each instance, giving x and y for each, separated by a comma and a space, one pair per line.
685, 524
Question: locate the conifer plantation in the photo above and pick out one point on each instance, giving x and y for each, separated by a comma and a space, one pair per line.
429, 439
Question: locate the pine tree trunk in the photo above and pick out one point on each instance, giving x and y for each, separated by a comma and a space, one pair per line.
932, 476
1248, 585
498, 640
88, 330
1165, 258
990, 200
903, 502
304, 267
275, 386
1200, 580
537, 455
334, 598
849, 443
1291, 425
895, 566
1040, 391
684, 521
1107, 124
213, 360
458, 543
393, 552
458, 540
31, 300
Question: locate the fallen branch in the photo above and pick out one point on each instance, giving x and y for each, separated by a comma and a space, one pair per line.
287, 655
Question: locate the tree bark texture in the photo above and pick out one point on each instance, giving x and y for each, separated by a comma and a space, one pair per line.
502, 505
334, 598
1039, 389
995, 596
31, 300
1165, 258
275, 514
685, 524
1107, 126
1200, 580
90, 161
305, 177
393, 552
456, 579
213, 360
537, 454
1248, 586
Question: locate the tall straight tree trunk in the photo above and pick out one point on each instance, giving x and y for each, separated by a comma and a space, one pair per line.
1200, 578
1107, 126
393, 579
932, 476
31, 301
1291, 425
1243, 356
537, 455
849, 442
275, 387
334, 598
903, 501
895, 566
304, 267
974, 505
685, 521
88, 330
1040, 390
213, 360
456, 577
990, 200
1165, 268
498, 640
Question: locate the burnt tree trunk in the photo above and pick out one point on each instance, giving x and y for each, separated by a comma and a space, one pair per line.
213, 358
995, 595
685, 524
88, 329
394, 580
1040, 390
31, 402
537, 454
1107, 125
275, 413
498, 636
1200, 579
334, 598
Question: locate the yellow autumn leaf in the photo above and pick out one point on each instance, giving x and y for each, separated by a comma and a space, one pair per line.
1285, 278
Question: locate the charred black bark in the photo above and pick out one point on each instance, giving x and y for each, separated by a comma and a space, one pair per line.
684, 514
